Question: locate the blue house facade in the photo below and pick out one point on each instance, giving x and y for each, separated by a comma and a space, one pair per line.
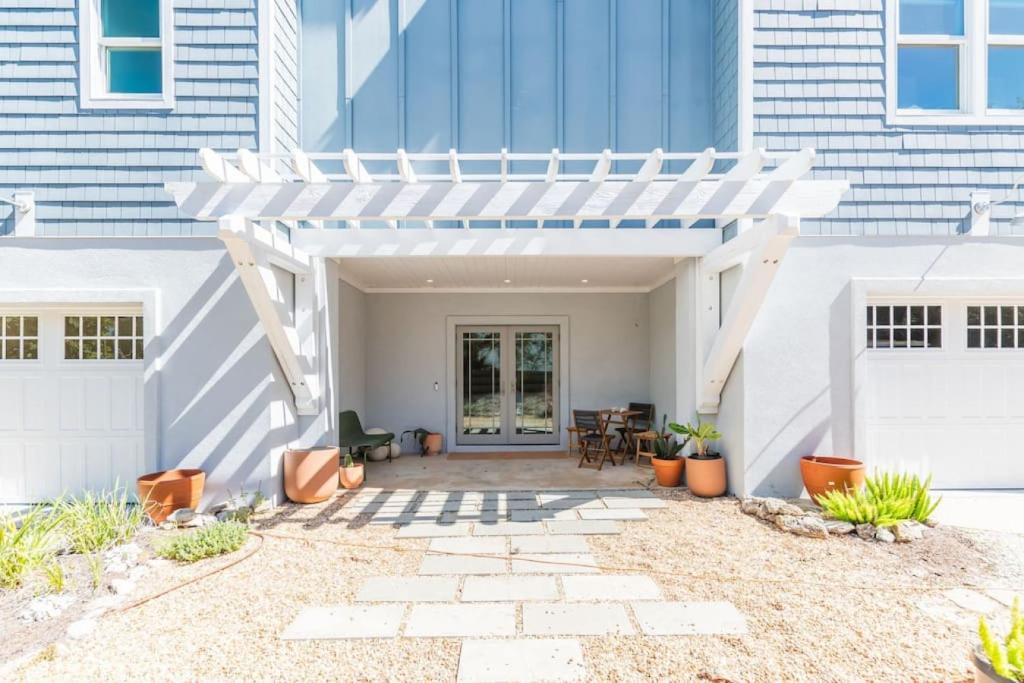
134, 338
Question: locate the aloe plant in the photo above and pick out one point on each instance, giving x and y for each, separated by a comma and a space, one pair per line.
702, 434
885, 500
666, 447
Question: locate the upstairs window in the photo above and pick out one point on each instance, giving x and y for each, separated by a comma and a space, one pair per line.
955, 62
126, 53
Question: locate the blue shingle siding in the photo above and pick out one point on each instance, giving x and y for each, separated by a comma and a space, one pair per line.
101, 172
819, 81
724, 79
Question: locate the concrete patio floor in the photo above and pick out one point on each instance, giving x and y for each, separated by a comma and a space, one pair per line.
991, 510
437, 472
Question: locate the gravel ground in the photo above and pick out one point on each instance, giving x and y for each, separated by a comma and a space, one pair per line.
834, 610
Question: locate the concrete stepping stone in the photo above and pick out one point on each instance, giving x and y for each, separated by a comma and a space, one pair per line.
405, 519
971, 600
583, 527
634, 503
624, 587
553, 494
943, 610
559, 619
549, 544
509, 588
628, 514
527, 661
541, 515
455, 565
689, 618
1004, 596
509, 529
625, 493
571, 503
554, 563
487, 545
408, 589
345, 621
433, 530
459, 621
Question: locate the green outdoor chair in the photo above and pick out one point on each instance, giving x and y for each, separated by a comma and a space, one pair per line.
352, 436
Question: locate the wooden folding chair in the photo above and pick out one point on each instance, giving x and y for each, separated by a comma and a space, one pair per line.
593, 438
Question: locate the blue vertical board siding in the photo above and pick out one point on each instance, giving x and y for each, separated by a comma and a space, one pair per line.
100, 172
819, 81
725, 88
479, 75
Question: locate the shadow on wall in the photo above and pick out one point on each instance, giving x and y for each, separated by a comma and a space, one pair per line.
219, 382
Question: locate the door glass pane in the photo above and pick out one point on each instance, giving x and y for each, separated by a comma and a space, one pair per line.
534, 383
481, 383
932, 17
928, 77
130, 18
134, 71
1006, 17
1005, 77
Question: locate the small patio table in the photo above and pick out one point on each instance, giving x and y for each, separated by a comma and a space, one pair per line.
627, 418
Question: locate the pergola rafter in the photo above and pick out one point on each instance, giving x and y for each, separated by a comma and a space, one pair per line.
248, 188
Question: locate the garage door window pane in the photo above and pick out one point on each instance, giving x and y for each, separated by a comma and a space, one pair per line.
104, 337
904, 327
19, 337
995, 327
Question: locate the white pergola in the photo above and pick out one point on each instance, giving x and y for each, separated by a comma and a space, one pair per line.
253, 195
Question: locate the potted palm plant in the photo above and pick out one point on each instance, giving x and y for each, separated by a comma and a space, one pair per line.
667, 463
705, 470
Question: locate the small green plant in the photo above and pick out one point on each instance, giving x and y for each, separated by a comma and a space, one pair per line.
702, 434
885, 500
26, 543
666, 447
348, 460
56, 579
95, 563
1006, 658
96, 521
208, 541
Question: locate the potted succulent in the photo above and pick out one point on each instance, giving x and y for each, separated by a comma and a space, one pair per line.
705, 470
351, 473
667, 463
1001, 662
430, 442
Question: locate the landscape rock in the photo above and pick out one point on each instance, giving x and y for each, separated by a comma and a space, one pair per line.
775, 506
812, 527
199, 520
788, 523
46, 607
121, 586
80, 629
182, 516
750, 506
865, 531
838, 527
908, 530
120, 559
884, 535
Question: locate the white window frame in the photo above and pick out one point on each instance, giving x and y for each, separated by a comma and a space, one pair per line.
973, 71
908, 349
999, 327
93, 91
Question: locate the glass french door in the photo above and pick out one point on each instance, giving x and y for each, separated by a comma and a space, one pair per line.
507, 385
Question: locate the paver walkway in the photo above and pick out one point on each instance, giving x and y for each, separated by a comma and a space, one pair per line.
512, 573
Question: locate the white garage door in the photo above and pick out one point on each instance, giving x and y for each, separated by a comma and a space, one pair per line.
946, 390
70, 401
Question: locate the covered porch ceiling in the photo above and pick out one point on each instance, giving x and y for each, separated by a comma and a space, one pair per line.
506, 274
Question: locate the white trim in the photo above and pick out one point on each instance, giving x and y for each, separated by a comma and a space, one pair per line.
973, 72
92, 86
511, 290
149, 299
865, 290
451, 400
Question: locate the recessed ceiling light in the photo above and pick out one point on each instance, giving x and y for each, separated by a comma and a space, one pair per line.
584, 281
508, 282
430, 282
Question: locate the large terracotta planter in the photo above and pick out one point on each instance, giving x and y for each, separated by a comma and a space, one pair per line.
351, 477
824, 473
705, 477
310, 475
432, 444
668, 472
161, 493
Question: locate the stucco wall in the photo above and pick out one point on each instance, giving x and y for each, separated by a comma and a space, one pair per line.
798, 361
406, 350
352, 349
222, 403
661, 312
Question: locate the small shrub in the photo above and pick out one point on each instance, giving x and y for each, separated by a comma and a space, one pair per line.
885, 500
208, 541
1006, 658
95, 562
56, 579
25, 544
96, 521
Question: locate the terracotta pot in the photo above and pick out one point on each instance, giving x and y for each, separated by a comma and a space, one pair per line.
161, 493
311, 475
668, 472
351, 477
705, 477
983, 671
823, 473
432, 444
